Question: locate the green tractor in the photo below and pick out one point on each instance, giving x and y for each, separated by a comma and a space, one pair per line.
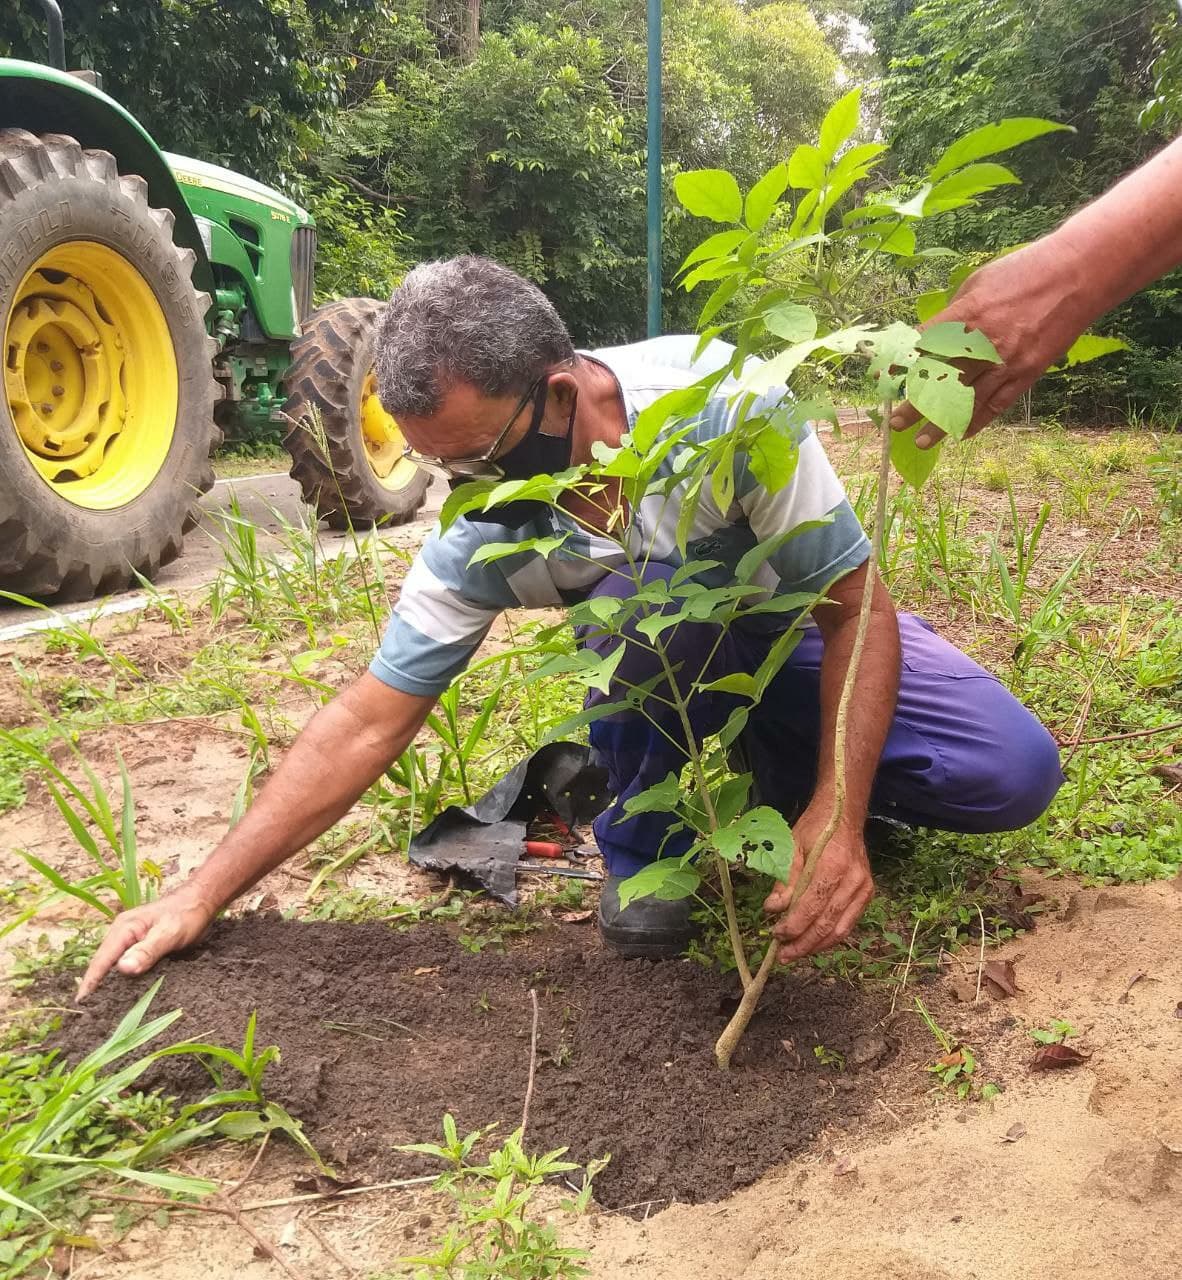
149, 305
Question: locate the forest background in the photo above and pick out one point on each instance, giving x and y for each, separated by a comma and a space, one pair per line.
416, 129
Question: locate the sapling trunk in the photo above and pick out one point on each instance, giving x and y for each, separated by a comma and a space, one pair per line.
733, 1032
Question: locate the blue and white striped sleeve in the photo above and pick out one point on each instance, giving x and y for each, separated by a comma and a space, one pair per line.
443, 614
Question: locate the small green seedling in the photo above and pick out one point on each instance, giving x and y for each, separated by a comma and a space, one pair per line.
493, 1234
956, 1067
1059, 1031
829, 1057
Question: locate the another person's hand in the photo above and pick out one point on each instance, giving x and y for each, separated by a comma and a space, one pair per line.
1031, 307
832, 904
136, 939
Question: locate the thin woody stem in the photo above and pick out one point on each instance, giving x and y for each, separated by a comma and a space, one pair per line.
733, 1032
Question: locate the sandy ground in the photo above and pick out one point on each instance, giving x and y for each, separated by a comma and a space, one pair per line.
1089, 1182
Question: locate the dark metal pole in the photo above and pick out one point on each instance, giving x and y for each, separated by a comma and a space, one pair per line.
654, 168
57, 35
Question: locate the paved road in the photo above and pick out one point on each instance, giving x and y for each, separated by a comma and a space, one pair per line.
259, 496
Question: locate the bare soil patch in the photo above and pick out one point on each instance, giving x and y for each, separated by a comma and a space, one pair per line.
381, 1033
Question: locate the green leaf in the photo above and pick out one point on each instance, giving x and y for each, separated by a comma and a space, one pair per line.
714, 269
715, 246
751, 560
730, 798
682, 402
710, 193
762, 197
953, 340
935, 389
735, 682
792, 321
603, 673
772, 456
1091, 346
489, 551
665, 879
762, 837
718, 299
960, 189
991, 140
662, 797
839, 124
806, 168
932, 303
911, 462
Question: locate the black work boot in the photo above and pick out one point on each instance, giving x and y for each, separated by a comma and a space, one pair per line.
647, 927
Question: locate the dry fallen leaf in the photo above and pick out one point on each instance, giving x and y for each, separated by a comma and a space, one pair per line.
951, 1060
287, 1237
1169, 773
419, 972
576, 917
999, 974
1053, 1056
1014, 1132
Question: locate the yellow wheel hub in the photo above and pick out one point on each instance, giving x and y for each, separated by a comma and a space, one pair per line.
383, 440
90, 375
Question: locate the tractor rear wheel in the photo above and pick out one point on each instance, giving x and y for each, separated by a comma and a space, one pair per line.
106, 420
356, 475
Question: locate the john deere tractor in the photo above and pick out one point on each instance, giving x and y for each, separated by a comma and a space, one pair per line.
150, 303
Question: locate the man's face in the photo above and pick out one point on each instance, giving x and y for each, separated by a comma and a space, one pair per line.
469, 423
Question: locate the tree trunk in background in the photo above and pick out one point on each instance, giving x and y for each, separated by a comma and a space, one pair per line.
470, 31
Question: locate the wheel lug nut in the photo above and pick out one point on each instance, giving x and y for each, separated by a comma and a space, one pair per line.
43, 347
59, 392
56, 366
47, 410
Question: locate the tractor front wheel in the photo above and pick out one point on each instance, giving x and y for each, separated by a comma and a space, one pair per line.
106, 416
349, 464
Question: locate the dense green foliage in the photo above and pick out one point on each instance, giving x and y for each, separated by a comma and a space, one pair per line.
951, 65
421, 128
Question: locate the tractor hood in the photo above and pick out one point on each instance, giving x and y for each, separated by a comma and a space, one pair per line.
197, 173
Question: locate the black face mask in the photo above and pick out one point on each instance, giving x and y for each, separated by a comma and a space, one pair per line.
535, 454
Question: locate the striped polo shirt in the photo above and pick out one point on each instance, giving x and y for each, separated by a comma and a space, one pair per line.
447, 605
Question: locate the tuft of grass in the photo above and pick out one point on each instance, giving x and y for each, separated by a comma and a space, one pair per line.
995, 475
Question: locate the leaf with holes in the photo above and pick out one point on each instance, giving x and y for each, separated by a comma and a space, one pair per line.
953, 340
935, 389
762, 838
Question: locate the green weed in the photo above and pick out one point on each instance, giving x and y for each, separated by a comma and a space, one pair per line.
497, 1232
956, 1067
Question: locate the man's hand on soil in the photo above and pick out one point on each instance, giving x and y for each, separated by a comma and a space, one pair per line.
840, 890
141, 936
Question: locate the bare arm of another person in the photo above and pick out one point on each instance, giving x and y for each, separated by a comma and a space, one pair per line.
842, 885
342, 750
1034, 303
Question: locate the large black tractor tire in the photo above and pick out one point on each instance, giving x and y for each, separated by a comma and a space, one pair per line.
346, 451
106, 405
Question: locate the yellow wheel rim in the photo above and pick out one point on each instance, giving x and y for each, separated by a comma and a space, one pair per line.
383, 440
90, 375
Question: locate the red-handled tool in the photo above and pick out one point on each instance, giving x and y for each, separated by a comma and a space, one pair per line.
543, 849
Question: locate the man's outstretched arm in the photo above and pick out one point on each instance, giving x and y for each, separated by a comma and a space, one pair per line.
1034, 303
841, 885
341, 751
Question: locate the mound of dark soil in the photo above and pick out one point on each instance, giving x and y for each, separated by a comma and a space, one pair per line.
382, 1032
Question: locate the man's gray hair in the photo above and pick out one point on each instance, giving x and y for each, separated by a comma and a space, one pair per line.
465, 319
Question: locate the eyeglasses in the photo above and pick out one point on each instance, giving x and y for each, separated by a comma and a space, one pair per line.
482, 466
